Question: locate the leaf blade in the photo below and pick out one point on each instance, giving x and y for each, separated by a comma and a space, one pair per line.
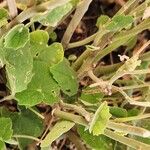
59, 129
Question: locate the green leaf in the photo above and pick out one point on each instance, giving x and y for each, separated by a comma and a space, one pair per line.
3, 17
53, 36
41, 88
100, 142
6, 129
102, 20
133, 112
19, 66
2, 145
17, 37
119, 22
92, 98
100, 119
25, 123
60, 128
66, 77
39, 37
52, 55
53, 17
118, 112
38, 41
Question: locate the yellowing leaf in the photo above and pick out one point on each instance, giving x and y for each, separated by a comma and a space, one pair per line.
100, 119
59, 129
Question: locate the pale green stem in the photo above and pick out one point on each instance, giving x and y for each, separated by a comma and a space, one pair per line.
130, 100
79, 120
76, 65
102, 70
127, 141
82, 42
71, 117
9, 97
79, 13
121, 39
26, 137
77, 109
126, 119
119, 75
128, 5
128, 129
35, 112
135, 86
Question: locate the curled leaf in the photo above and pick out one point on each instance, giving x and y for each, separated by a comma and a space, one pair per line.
100, 119
59, 129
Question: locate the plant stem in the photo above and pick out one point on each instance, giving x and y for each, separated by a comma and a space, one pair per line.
128, 5
35, 112
76, 65
128, 129
9, 97
130, 100
135, 86
79, 13
77, 109
101, 70
71, 117
12, 8
120, 74
82, 42
26, 137
122, 38
126, 119
127, 141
